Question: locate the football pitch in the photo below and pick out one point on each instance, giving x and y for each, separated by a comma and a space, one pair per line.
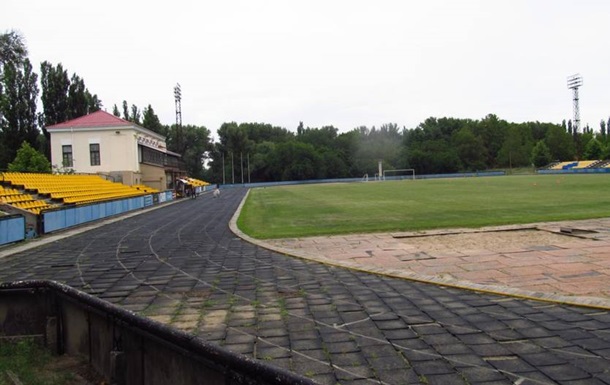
407, 205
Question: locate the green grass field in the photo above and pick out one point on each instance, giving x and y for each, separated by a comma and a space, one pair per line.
327, 209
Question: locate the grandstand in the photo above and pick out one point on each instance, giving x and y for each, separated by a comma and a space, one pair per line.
578, 165
35, 192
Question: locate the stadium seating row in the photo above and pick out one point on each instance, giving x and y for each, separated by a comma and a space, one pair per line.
54, 190
8, 191
88, 198
579, 165
34, 206
10, 199
145, 188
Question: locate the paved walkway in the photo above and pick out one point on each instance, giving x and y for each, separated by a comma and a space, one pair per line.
562, 261
181, 264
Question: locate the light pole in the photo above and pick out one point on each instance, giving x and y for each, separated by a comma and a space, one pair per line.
574, 82
178, 100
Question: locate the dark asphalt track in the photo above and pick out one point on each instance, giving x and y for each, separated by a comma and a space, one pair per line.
181, 264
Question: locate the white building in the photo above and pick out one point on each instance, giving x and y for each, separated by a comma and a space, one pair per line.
101, 143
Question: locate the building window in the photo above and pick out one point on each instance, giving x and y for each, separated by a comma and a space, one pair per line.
66, 152
94, 154
151, 156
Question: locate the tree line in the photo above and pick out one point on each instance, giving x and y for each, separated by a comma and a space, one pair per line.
261, 152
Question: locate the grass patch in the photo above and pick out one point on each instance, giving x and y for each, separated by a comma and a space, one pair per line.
330, 209
30, 363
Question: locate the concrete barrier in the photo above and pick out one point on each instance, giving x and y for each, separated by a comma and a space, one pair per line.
121, 346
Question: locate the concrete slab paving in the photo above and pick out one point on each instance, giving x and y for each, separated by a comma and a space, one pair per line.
182, 265
567, 268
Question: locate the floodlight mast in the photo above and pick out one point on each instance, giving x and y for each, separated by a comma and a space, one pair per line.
574, 82
178, 100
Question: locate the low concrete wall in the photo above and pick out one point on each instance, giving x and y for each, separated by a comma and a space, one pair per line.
124, 347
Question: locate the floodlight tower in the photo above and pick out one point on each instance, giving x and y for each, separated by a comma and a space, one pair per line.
574, 82
178, 99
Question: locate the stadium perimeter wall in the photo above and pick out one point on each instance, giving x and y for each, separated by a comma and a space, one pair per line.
13, 228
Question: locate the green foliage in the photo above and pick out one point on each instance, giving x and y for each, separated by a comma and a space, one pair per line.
437, 145
593, 150
28, 362
55, 85
541, 156
470, 149
192, 142
560, 143
18, 118
151, 121
307, 210
12, 49
29, 160
517, 147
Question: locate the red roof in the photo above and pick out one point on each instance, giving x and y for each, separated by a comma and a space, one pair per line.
95, 119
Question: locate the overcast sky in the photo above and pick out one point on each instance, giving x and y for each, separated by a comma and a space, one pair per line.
345, 63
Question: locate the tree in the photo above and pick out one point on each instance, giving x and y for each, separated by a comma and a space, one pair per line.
541, 156
126, 111
470, 149
433, 157
193, 148
593, 150
151, 121
13, 49
80, 101
602, 128
516, 150
580, 143
13, 52
295, 160
322, 137
135, 114
560, 143
493, 131
18, 107
55, 84
29, 160
116, 112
